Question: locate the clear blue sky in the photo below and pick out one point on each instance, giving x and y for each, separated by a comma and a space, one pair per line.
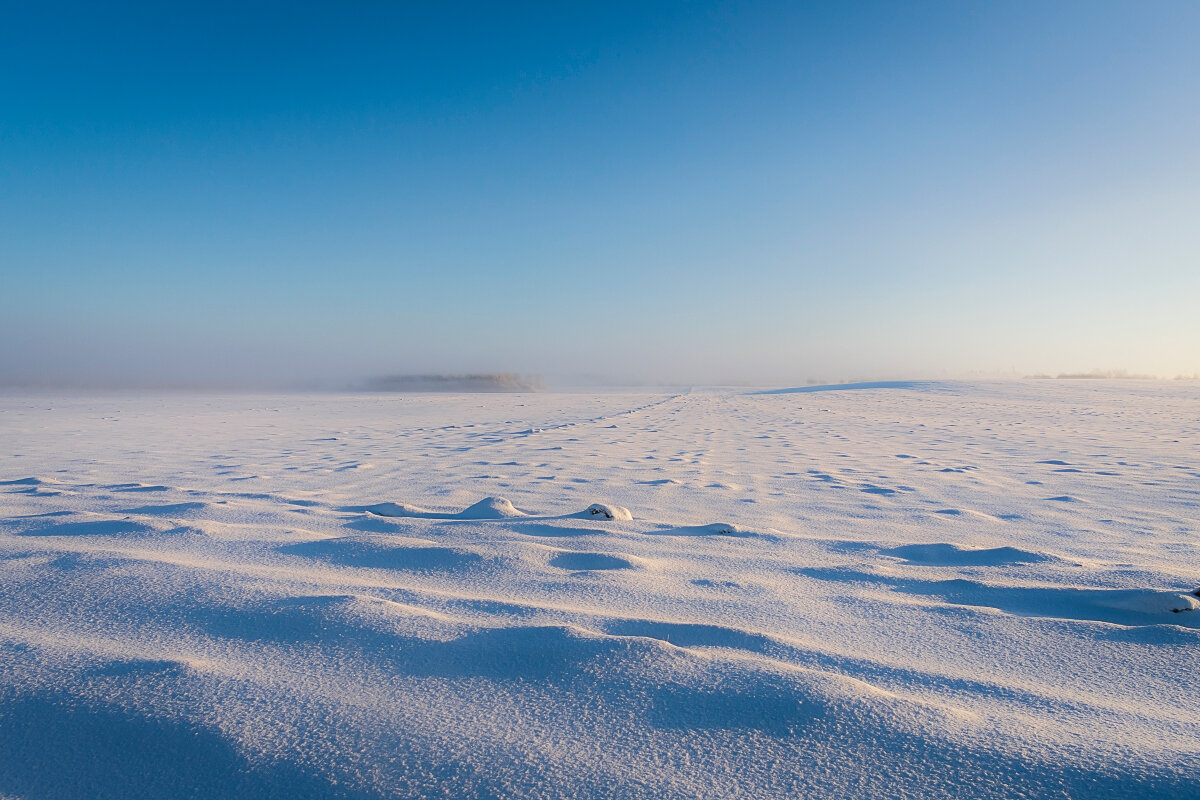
683, 191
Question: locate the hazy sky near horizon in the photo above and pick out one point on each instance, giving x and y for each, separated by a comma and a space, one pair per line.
674, 191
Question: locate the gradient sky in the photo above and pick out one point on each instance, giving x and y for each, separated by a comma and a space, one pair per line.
673, 191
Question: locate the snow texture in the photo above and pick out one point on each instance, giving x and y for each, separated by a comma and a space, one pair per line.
905, 590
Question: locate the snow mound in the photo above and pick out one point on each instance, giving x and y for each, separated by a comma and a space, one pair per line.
487, 508
396, 510
1149, 601
491, 508
603, 511
712, 529
720, 529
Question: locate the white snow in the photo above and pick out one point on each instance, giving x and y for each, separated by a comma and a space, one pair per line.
906, 589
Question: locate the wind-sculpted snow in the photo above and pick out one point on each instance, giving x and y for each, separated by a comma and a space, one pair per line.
947, 555
913, 590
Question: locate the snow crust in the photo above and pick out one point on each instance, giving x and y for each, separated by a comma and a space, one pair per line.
912, 590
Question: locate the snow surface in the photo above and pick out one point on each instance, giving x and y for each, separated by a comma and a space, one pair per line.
910, 590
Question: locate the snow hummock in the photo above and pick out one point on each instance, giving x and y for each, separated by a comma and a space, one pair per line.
602, 511
487, 508
491, 508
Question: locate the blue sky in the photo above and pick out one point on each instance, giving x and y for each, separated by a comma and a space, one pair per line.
676, 191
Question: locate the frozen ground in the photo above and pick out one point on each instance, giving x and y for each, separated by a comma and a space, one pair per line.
909, 590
